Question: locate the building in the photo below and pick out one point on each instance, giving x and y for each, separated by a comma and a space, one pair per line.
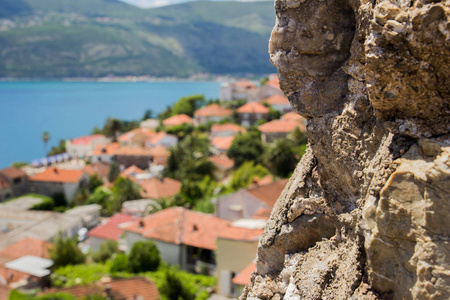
270, 88
211, 113
150, 124
85, 145
99, 169
138, 208
223, 166
221, 144
245, 203
109, 230
184, 237
157, 188
135, 137
161, 139
54, 180
159, 155
279, 103
135, 288
104, 153
241, 89
236, 249
13, 183
277, 129
227, 129
292, 116
177, 120
131, 171
251, 112
128, 156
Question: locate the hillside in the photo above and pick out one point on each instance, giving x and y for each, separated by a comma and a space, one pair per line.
93, 38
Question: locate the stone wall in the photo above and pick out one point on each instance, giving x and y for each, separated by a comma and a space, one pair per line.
366, 214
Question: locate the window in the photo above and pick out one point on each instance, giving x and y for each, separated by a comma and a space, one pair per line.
17, 181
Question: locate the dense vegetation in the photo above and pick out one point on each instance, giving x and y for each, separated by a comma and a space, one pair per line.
94, 38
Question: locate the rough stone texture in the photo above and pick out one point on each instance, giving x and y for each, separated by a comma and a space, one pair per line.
366, 214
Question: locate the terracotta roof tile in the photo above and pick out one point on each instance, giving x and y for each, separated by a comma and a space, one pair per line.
227, 127
12, 173
126, 137
4, 184
269, 193
159, 151
213, 110
100, 169
243, 277
155, 188
157, 137
292, 116
244, 83
132, 151
276, 99
106, 149
273, 82
280, 126
178, 225
240, 234
28, 246
222, 161
177, 120
86, 140
110, 229
222, 142
253, 108
58, 175
131, 170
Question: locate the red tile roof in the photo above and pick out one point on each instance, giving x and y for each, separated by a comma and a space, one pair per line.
159, 151
58, 175
244, 83
121, 289
132, 151
280, 126
273, 82
110, 229
213, 110
155, 188
222, 161
86, 140
269, 193
243, 277
227, 127
240, 234
126, 137
28, 246
222, 142
131, 170
178, 225
177, 120
106, 149
12, 173
276, 99
292, 116
157, 137
4, 184
100, 169
253, 108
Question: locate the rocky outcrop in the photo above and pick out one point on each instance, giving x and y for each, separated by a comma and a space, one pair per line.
366, 214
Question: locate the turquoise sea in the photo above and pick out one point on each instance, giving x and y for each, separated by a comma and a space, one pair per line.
71, 109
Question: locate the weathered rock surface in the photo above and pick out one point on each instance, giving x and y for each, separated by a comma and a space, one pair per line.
366, 214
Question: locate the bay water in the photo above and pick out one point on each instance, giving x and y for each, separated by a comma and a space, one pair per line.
71, 109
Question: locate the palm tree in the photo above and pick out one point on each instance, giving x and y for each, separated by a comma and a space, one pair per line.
45, 138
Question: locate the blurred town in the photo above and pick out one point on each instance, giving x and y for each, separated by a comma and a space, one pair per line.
165, 207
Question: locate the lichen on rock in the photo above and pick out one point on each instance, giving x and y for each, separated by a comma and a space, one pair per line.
366, 213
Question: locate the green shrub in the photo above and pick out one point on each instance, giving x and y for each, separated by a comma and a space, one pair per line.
174, 289
144, 256
46, 204
119, 263
66, 252
107, 249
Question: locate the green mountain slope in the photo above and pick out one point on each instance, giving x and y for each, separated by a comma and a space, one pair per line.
93, 38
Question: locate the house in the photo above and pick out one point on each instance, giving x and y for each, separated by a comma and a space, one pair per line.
127, 156
243, 278
227, 129
134, 288
110, 230
135, 137
161, 139
223, 166
85, 145
54, 180
150, 124
270, 88
245, 203
221, 144
99, 169
211, 113
104, 153
131, 171
177, 120
15, 182
157, 188
88, 214
5, 190
277, 129
184, 237
279, 103
25, 247
293, 116
240, 89
251, 112
159, 155
236, 249
138, 208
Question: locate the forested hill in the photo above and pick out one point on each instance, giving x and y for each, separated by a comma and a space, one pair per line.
94, 38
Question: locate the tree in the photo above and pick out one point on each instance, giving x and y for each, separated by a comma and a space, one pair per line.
147, 115
280, 157
244, 176
60, 148
114, 171
94, 182
123, 190
66, 252
188, 105
173, 288
246, 147
107, 249
112, 127
45, 138
119, 263
144, 256
101, 196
